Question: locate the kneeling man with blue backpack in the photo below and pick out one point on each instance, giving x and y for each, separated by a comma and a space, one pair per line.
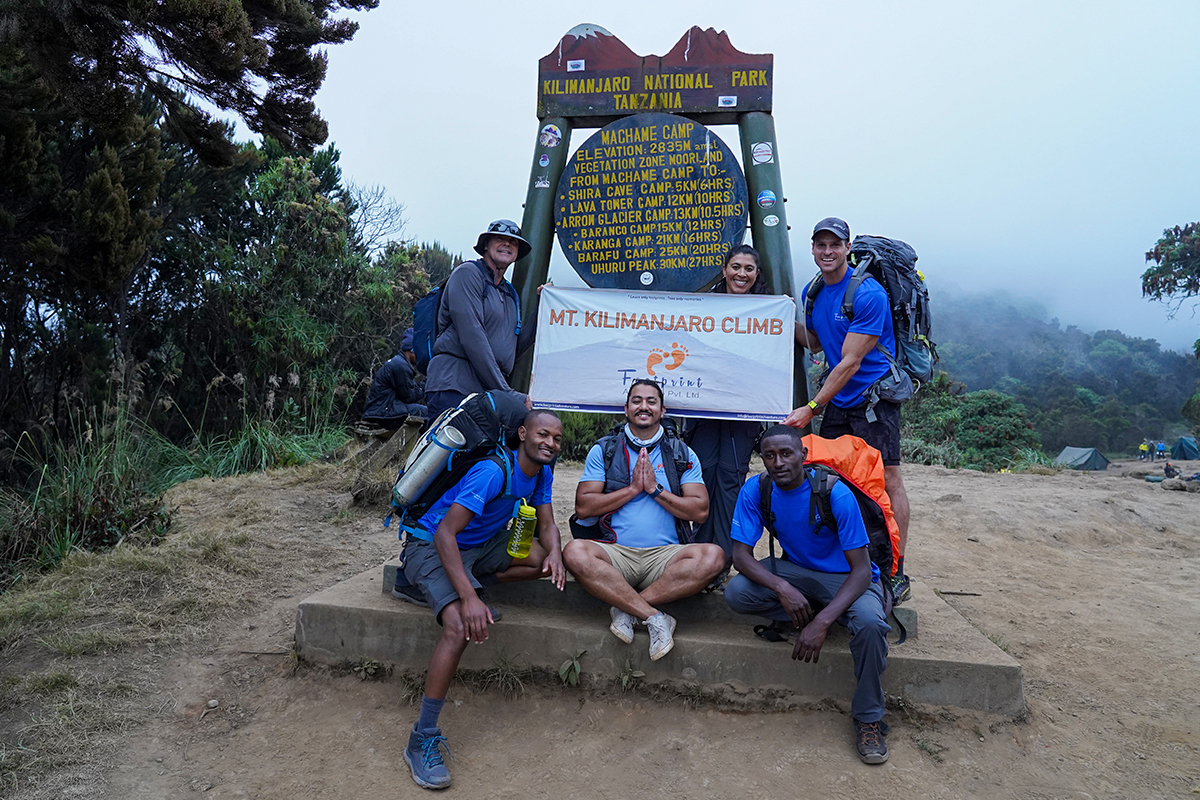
825, 576
461, 543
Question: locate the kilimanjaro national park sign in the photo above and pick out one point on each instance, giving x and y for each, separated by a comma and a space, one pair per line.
654, 200
594, 74
650, 201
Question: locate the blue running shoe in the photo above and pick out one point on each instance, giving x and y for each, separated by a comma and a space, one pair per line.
424, 758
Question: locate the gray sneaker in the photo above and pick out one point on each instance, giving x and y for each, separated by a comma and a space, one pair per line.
622, 624
662, 627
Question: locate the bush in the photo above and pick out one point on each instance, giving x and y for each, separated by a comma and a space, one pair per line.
581, 429
95, 485
102, 482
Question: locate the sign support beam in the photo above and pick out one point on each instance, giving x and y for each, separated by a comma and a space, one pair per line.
537, 226
760, 158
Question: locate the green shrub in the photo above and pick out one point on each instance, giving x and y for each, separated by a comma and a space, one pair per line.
581, 430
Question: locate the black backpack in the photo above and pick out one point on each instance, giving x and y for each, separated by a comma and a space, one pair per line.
821, 480
893, 264
616, 476
488, 422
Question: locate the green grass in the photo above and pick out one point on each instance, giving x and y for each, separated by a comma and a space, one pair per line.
101, 483
52, 682
85, 643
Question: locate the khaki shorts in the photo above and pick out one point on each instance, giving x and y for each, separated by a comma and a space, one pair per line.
640, 566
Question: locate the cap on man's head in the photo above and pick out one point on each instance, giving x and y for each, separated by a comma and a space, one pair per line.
406, 342
837, 227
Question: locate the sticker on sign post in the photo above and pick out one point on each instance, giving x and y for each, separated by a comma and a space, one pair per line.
544, 160
647, 278
762, 153
770, 220
550, 136
727, 101
766, 198
575, 66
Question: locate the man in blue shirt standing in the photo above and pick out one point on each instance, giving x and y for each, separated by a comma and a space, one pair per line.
461, 539
636, 506
855, 364
822, 578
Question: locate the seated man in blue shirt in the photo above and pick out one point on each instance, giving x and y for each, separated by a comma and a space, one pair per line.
822, 578
637, 558
467, 539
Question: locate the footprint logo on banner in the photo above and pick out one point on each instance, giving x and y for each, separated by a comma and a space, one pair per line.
658, 356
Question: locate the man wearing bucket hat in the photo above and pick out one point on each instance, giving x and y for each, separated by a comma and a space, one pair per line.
479, 329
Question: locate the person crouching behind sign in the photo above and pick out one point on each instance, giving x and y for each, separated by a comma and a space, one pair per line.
724, 445
467, 541
640, 490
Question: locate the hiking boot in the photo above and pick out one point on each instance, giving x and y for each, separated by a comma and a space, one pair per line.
403, 590
622, 624
870, 741
901, 590
497, 614
662, 627
424, 758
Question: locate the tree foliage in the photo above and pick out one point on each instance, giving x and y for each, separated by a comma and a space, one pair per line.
1175, 275
1105, 390
260, 60
1176, 270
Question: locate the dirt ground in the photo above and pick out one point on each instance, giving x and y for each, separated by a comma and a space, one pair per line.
1088, 579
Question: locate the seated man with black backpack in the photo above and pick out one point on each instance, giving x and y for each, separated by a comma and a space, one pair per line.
462, 539
641, 489
828, 569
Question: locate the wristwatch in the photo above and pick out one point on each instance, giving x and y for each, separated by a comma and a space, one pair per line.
658, 489
815, 406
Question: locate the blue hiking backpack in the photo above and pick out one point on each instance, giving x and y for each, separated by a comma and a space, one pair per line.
893, 264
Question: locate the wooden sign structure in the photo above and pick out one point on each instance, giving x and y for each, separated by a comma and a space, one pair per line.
654, 199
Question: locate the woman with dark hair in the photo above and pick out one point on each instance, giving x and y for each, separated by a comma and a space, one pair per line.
723, 446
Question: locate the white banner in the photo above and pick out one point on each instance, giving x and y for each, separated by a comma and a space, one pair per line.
715, 355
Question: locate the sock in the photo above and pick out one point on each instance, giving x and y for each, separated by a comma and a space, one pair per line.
427, 723
900, 567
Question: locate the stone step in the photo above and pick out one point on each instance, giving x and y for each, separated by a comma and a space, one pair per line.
951, 663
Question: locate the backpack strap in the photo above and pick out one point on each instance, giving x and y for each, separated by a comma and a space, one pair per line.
765, 485
810, 296
821, 481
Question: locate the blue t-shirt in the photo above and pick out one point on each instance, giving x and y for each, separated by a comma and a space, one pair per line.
641, 522
872, 316
821, 551
479, 492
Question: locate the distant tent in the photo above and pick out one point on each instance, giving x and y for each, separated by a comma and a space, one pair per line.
1081, 458
1185, 449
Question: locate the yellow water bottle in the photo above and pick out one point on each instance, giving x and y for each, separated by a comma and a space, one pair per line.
520, 538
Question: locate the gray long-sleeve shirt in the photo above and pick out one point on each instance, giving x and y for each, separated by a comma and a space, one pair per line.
477, 341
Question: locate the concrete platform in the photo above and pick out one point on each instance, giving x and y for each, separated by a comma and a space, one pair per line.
951, 663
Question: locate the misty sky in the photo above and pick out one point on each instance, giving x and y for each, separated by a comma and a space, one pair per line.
1036, 147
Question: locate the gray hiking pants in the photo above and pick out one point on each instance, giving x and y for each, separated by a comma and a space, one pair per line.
865, 620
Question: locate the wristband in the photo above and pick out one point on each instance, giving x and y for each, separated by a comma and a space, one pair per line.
658, 489
815, 406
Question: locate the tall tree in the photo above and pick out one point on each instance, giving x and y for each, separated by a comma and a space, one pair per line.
259, 59
1175, 275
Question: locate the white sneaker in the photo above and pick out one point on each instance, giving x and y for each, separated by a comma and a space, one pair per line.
661, 627
622, 624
